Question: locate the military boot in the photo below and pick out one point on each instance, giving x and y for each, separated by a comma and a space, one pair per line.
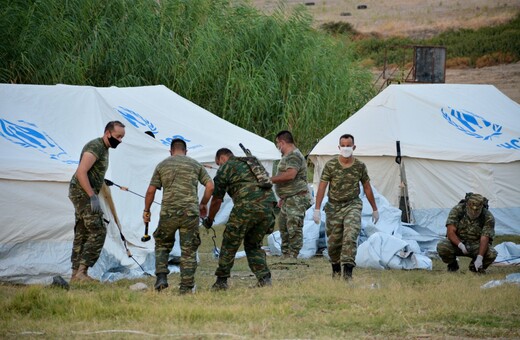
187, 290
220, 284
347, 271
82, 275
264, 281
161, 282
336, 270
453, 266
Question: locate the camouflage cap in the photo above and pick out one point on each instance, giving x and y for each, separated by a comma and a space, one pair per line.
474, 205
476, 200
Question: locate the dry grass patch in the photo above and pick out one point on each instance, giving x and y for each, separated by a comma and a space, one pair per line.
304, 302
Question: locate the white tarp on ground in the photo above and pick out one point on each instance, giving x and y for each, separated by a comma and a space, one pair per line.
386, 245
454, 139
42, 132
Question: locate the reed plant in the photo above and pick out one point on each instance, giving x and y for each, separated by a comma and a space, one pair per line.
263, 73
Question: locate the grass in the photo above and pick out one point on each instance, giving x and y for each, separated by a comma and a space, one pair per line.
304, 302
485, 46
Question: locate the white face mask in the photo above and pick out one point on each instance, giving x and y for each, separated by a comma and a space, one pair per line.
346, 151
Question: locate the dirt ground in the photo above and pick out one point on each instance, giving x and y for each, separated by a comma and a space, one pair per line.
506, 78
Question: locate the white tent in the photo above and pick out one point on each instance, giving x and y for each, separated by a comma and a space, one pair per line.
42, 132
454, 139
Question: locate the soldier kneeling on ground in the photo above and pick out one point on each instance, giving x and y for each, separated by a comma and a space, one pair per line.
470, 231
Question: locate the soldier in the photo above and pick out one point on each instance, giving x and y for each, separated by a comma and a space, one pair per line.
343, 210
179, 176
291, 186
470, 231
250, 220
89, 231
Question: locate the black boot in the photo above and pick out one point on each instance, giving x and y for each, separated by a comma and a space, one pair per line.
347, 271
453, 266
162, 282
336, 270
220, 284
265, 281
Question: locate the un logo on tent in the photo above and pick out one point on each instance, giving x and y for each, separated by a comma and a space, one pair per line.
471, 123
27, 135
136, 119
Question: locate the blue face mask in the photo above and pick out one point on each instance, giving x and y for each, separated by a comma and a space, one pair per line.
113, 142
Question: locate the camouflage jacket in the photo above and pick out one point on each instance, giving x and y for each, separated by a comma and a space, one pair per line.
236, 178
344, 182
468, 229
96, 174
294, 160
179, 177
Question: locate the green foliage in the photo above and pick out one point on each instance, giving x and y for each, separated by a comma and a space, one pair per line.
263, 73
474, 44
484, 41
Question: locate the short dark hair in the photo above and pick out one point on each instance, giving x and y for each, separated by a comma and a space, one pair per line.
223, 152
110, 126
178, 144
346, 136
286, 136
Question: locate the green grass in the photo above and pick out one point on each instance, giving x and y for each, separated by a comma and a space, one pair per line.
304, 302
497, 44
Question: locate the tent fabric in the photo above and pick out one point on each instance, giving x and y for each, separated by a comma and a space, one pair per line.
42, 132
454, 139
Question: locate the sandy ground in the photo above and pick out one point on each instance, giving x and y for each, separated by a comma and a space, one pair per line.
420, 18
506, 78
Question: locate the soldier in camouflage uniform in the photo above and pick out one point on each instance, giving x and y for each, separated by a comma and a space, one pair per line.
252, 217
179, 177
291, 186
470, 231
89, 230
343, 210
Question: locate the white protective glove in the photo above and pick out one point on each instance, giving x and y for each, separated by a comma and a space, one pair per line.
317, 216
375, 216
478, 262
463, 248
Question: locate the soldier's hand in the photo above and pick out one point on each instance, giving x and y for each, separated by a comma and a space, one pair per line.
95, 206
203, 210
375, 216
478, 262
462, 247
317, 216
207, 222
146, 216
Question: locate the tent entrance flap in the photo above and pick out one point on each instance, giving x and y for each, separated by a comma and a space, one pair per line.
404, 203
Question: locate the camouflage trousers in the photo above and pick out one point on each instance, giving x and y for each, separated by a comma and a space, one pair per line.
343, 228
448, 252
247, 223
164, 237
89, 230
290, 223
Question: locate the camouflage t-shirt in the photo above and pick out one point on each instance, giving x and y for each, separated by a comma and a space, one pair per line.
468, 229
236, 178
96, 174
344, 182
179, 177
293, 160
